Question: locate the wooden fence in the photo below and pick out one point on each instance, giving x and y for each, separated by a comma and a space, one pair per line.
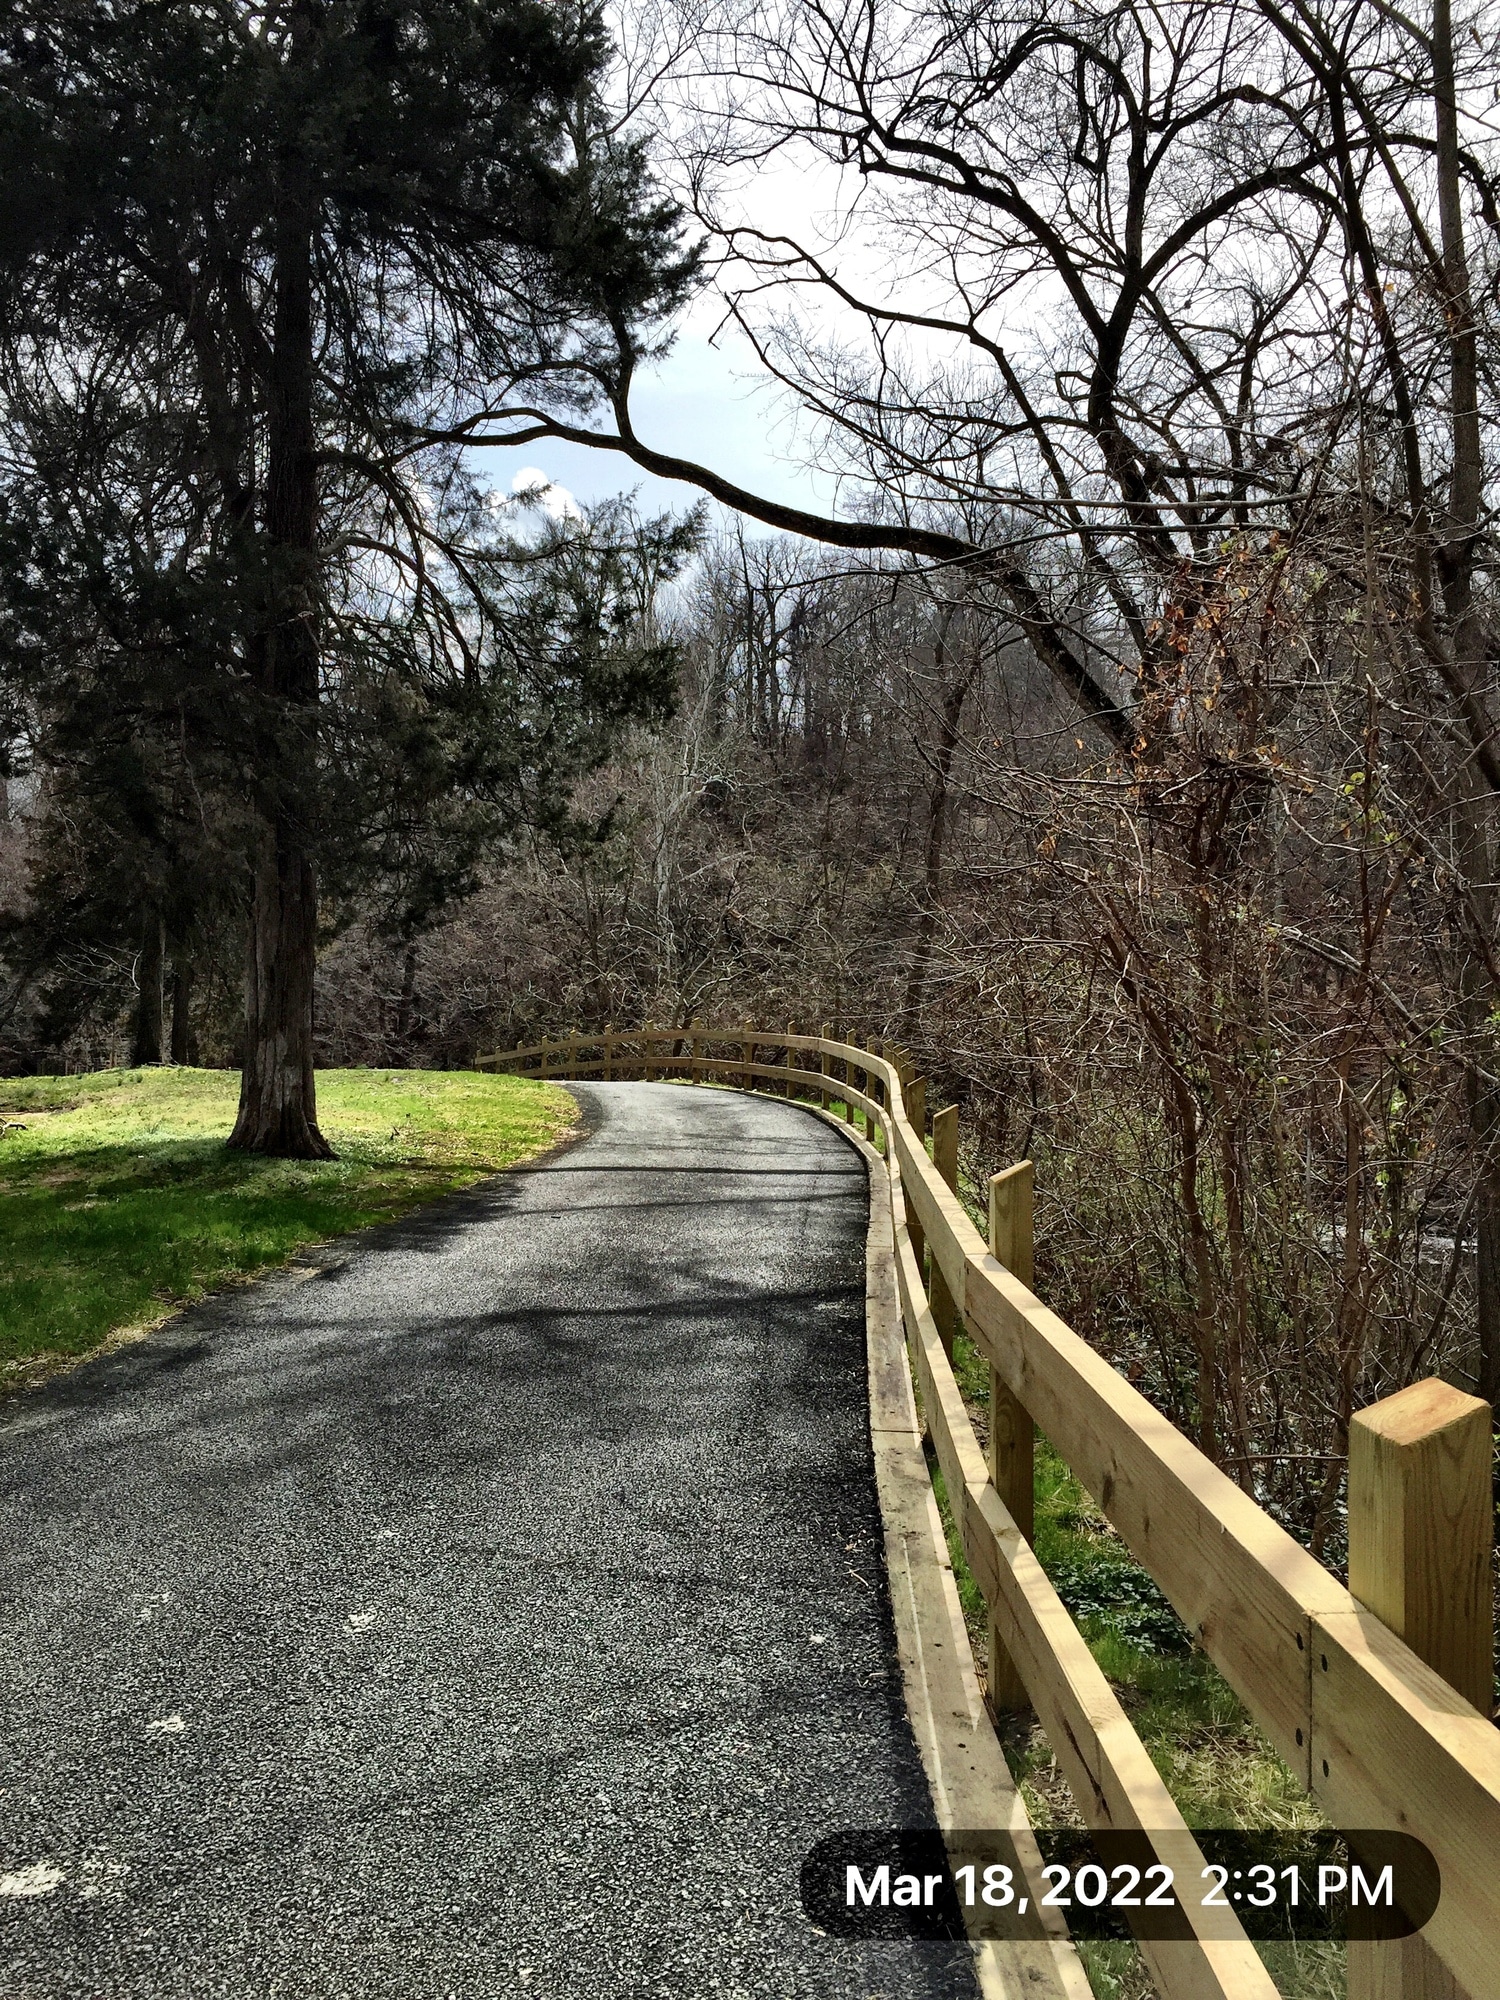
1378, 1696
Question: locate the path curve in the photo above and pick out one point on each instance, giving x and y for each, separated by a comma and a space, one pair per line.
493, 1607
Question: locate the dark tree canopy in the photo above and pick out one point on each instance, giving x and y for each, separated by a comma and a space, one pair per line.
251, 256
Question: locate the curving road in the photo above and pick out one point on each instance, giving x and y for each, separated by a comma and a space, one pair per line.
492, 1607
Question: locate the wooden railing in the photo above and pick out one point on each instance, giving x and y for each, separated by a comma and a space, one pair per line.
1379, 1702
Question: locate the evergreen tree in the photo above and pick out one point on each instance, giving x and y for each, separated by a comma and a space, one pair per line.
249, 256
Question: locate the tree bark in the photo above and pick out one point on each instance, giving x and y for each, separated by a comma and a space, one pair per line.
147, 1046
954, 696
278, 1101
404, 1007
183, 1051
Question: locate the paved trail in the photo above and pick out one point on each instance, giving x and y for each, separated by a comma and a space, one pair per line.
496, 1612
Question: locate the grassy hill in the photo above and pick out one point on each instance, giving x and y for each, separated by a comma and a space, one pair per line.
119, 1202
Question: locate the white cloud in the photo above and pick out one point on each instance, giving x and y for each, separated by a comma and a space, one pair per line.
556, 502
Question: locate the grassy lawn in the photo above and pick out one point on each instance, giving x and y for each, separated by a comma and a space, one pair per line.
119, 1202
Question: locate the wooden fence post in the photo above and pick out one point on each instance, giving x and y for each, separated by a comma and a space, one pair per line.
789, 1055
914, 1104
1421, 1522
1012, 1449
749, 1055
572, 1060
609, 1046
695, 1070
545, 1068
849, 1084
823, 1064
945, 1159
1420, 1527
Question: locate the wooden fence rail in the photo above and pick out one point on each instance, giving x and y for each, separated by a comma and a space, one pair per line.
1351, 1693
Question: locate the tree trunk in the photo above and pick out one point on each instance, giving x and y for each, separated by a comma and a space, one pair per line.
149, 1013
954, 696
405, 1005
183, 1051
278, 1103
1487, 1246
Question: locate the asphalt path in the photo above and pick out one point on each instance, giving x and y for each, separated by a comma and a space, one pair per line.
492, 1606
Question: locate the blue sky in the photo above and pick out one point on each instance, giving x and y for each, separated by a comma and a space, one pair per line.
702, 403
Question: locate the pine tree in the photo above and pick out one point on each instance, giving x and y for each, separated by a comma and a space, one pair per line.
248, 256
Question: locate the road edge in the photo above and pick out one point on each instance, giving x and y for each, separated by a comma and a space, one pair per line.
967, 1775
320, 1254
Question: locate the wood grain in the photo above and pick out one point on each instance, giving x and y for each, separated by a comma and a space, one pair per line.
1421, 1528
1012, 1441
1421, 1514
1109, 1771
945, 1164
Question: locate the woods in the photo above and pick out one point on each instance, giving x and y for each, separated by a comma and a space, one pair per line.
1123, 742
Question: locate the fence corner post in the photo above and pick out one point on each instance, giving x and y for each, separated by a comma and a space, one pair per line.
1421, 1524
1420, 1527
1012, 1446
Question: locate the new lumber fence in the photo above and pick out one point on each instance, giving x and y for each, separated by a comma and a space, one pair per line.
1378, 1696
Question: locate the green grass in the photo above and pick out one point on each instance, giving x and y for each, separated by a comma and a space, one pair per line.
837, 1108
119, 1201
